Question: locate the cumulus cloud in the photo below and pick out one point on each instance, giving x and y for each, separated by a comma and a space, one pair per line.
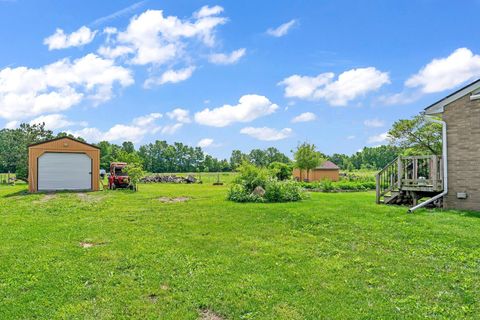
205, 143
267, 134
207, 11
147, 120
60, 40
404, 97
249, 108
172, 76
304, 117
281, 30
180, 115
157, 39
348, 86
379, 138
222, 58
12, 124
171, 129
56, 121
374, 123
26, 92
446, 73
134, 132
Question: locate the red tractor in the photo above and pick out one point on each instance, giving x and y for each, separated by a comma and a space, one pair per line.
118, 178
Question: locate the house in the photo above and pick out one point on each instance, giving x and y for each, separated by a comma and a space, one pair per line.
63, 164
326, 171
450, 180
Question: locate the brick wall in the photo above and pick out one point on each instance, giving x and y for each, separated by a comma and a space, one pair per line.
463, 137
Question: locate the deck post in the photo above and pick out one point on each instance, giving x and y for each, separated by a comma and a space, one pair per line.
399, 172
434, 171
377, 178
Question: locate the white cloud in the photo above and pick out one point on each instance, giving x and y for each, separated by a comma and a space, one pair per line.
305, 117
12, 124
119, 13
134, 132
446, 73
113, 53
171, 129
147, 120
205, 143
380, 138
56, 121
349, 85
207, 11
172, 76
281, 30
26, 92
180, 115
222, 58
351, 137
404, 97
267, 134
60, 40
156, 39
374, 123
249, 108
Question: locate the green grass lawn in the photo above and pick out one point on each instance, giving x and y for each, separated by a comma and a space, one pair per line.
333, 256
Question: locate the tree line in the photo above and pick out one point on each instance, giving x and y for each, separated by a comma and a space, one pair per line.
412, 137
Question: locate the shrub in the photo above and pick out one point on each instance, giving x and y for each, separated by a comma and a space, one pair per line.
238, 193
250, 176
342, 185
326, 185
281, 171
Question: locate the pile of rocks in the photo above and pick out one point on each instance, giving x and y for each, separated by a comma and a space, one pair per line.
171, 178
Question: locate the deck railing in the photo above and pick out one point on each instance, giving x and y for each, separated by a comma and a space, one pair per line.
413, 173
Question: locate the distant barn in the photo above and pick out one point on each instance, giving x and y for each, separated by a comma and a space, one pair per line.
326, 171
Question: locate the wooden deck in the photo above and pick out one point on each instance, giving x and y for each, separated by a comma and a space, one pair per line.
407, 179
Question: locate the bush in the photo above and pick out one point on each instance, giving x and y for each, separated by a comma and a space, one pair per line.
238, 193
250, 177
281, 171
326, 185
342, 185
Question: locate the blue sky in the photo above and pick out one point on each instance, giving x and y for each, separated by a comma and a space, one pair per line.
232, 74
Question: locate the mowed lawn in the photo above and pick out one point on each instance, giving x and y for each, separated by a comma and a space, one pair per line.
118, 254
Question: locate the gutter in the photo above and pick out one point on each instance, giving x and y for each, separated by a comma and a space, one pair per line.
445, 165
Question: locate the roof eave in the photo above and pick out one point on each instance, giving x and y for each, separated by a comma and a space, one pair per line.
439, 106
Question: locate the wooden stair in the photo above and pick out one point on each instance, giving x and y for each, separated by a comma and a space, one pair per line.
406, 180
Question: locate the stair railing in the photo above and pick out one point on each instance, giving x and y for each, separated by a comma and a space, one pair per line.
389, 178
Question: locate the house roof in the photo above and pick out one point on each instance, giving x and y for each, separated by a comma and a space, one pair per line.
328, 165
439, 106
59, 138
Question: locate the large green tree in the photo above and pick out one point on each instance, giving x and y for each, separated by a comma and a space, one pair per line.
417, 136
307, 157
14, 146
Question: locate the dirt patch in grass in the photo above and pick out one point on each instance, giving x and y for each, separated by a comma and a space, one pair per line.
153, 297
47, 197
87, 244
207, 314
173, 200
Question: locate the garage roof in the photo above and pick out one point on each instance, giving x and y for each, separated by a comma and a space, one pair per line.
59, 138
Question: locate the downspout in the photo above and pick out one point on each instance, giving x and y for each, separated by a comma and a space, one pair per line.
445, 166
